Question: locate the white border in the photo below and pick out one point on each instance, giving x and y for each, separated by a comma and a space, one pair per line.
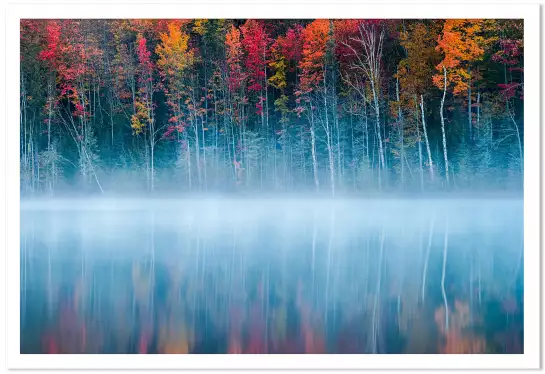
244, 9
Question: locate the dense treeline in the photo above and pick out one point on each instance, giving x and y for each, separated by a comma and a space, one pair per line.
334, 106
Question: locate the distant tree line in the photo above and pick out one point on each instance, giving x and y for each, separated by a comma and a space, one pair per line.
330, 106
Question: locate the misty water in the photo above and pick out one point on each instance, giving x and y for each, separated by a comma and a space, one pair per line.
272, 276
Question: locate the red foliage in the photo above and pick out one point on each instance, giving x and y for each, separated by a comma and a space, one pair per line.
70, 58
509, 90
346, 31
291, 45
144, 58
510, 52
53, 36
510, 55
171, 130
256, 42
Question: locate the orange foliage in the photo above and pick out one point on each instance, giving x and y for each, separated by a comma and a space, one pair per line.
315, 37
462, 42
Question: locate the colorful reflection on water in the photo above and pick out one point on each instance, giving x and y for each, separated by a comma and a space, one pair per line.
273, 276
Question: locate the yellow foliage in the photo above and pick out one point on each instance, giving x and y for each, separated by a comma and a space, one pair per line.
199, 26
140, 119
136, 125
174, 53
278, 80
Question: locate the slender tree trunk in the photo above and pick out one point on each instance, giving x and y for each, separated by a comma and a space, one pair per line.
313, 150
366, 144
204, 155
216, 136
420, 169
521, 156
197, 152
401, 134
430, 162
152, 154
512, 117
49, 117
111, 102
187, 151
377, 121
152, 169
443, 125
478, 109
469, 112
328, 138
353, 156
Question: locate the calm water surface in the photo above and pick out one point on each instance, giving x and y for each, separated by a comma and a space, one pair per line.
272, 276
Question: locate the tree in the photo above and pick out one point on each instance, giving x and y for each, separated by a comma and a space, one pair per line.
366, 47
143, 121
414, 74
72, 55
312, 79
461, 43
176, 59
510, 55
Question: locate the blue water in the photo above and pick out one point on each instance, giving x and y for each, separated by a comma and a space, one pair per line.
272, 276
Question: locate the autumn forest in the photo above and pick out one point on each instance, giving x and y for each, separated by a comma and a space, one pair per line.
331, 106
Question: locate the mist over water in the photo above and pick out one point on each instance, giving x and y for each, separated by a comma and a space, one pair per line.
272, 275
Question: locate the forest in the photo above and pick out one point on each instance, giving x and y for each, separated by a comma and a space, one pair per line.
327, 106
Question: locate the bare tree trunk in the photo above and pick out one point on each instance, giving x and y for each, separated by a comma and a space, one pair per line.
49, 116
469, 112
313, 150
377, 121
197, 152
152, 169
419, 147
204, 154
401, 132
443, 125
512, 117
216, 133
478, 109
188, 159
366, 144
430, 162
521, 164
328, 138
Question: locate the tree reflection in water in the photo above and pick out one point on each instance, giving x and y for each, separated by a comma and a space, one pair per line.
352, 277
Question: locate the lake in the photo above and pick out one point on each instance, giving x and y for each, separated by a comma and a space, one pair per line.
248, 275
